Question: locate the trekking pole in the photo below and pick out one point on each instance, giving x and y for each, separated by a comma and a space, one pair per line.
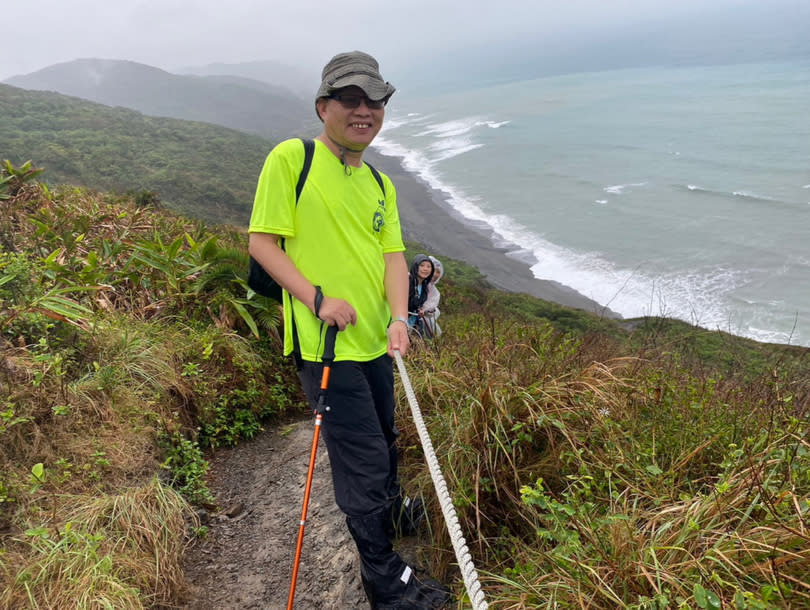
421, 327
327, 359
427, 324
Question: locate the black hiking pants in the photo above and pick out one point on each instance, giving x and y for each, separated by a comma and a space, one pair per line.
360, 437
359, 431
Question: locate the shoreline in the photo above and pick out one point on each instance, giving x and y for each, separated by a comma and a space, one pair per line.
427, 219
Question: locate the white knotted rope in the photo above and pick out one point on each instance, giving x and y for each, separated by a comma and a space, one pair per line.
463, 556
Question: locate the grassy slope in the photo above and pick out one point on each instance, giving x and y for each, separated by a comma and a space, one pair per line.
124, 351
590, 465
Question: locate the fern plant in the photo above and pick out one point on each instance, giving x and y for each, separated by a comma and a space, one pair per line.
12, 178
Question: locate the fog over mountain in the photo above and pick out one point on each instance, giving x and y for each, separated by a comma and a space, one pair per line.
418, 43
232, 101
752, 32
301, 82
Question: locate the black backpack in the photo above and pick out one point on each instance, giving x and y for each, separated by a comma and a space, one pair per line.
258, 279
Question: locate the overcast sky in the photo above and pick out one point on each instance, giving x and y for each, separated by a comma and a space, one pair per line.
170, 34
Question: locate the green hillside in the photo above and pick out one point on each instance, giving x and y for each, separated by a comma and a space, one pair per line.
199, 169
245, 104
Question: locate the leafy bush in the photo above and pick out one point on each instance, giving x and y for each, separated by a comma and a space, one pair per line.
186, 467
124, 331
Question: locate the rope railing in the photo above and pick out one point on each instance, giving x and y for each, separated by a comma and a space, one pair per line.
463, 555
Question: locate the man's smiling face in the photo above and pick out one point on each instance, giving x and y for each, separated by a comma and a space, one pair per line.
352, 128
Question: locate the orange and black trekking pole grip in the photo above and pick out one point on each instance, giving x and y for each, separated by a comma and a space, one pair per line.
327, 359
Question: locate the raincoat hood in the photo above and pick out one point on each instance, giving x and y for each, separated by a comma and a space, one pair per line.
437, 266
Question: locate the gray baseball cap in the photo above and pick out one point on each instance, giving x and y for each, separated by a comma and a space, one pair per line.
354, 68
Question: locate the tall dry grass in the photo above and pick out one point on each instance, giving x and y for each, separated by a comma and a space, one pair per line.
112, 551
585, 478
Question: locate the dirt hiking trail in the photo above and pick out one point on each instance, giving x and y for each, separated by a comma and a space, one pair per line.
246, 559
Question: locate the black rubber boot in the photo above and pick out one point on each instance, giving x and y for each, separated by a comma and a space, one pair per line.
406, 513
421, 593
406, 516
388, 581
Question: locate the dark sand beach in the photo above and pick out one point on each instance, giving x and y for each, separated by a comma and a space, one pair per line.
428, 219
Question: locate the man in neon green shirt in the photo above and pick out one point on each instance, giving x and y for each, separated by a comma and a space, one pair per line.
342, 265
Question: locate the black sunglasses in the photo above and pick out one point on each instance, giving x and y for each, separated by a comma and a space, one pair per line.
352, 100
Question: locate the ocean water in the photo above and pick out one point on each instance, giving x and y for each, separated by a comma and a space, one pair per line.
682, 192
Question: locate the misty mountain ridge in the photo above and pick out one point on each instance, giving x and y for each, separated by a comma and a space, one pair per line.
301, 82
237, 102
274, 99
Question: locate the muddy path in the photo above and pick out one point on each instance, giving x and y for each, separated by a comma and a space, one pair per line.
246, 559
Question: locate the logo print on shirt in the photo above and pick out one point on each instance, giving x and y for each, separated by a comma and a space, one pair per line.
378, 221
379, 216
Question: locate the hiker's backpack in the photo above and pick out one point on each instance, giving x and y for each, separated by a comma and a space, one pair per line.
258, 279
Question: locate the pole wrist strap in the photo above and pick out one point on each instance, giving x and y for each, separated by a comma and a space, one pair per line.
318, 301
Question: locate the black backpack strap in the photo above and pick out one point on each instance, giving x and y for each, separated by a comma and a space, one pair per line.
309, 153
258, 279
377, 177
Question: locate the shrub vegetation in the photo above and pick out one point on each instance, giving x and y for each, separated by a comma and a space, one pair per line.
594, 463
128, 346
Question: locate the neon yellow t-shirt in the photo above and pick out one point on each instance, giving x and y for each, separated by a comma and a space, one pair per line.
336, 236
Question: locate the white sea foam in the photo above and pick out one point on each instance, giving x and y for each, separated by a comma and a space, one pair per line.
412, 161
456, 127
451, 147
750, 195
768, 336
739, 194
698, 297
492, 124
618, 189
695, 297
391, 124
455, 151
397, 121
448, 139
562, 193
